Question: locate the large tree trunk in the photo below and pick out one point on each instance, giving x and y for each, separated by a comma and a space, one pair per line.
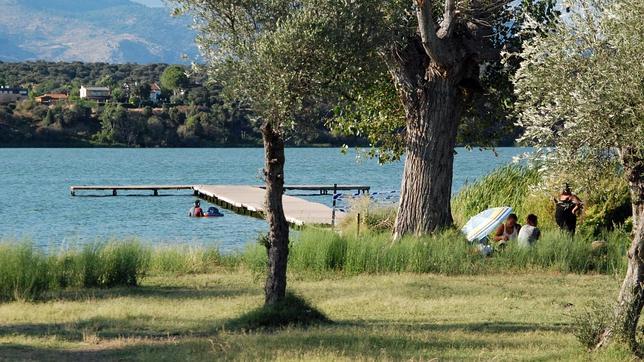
631, 295
277, 247
432, 115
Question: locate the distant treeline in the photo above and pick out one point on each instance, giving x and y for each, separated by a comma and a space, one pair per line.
195, 114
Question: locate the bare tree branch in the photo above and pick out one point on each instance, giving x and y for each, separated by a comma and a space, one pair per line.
447, 25
427, 29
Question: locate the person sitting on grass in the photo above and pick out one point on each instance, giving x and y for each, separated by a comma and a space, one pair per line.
530, 233
196, 210
507, 231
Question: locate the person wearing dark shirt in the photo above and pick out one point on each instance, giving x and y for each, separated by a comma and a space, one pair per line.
568, 207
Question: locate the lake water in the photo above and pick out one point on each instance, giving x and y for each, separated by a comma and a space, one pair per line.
35, 203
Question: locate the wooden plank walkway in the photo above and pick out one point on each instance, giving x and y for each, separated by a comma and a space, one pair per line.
249, 200
116, 188
325, 189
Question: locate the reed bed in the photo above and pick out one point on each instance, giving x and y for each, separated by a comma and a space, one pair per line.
28, 273
323, 251
512, 185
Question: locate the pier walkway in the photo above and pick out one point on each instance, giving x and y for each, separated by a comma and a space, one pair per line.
115, 189
249, 200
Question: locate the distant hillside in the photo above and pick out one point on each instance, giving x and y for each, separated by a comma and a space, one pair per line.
113, 31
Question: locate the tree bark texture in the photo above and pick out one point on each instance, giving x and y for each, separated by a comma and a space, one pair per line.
631, 295
278, 231
432, 115
433, 97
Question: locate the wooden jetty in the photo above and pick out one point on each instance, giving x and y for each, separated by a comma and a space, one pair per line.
115, 189
249, 200
325, 189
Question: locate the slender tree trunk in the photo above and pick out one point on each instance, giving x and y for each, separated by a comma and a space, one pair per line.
433, 111
277, 247
631, 295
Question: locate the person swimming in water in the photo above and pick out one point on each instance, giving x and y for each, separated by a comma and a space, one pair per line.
196, 210
567, 208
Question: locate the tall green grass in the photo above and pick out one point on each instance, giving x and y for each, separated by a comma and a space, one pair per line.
322, 251
24, 272
528, 191
188, 260
28, 273
513, 185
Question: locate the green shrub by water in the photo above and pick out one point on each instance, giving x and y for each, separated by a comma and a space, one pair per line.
320, 251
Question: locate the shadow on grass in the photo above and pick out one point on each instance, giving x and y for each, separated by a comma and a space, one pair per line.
292, 311
146, 350
478, 327
335, 340
152, 292
143, 326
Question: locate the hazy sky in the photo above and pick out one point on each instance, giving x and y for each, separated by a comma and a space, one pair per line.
156, 3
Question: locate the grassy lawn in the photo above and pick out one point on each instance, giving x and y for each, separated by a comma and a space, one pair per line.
385, 317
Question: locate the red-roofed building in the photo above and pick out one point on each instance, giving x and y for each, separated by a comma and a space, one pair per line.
52, 98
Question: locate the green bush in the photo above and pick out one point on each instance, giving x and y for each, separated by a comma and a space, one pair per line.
591, 322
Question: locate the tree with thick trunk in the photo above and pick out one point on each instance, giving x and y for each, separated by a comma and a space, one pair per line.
277, 246
431, 73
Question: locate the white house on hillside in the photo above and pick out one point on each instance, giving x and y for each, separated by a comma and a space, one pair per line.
100, 94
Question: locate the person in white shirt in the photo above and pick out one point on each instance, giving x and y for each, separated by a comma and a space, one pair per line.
529, 233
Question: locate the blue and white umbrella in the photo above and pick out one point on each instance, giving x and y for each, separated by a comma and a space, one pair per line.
485, 222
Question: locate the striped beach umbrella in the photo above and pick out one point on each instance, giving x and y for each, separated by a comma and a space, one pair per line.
485, 222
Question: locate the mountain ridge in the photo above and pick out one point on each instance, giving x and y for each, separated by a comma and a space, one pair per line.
112, 31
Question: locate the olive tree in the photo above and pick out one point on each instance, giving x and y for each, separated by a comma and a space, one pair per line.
581, 89
271, 56
424, 61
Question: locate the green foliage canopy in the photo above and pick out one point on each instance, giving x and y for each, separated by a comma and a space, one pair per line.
580, 86
174, 78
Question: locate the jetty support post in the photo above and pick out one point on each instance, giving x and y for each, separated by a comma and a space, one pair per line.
113, 192
156, 192
358, 226
335, 192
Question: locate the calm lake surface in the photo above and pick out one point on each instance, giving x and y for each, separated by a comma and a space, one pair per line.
35, 203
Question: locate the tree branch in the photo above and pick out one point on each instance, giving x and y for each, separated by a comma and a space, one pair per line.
447, 25
427, 29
